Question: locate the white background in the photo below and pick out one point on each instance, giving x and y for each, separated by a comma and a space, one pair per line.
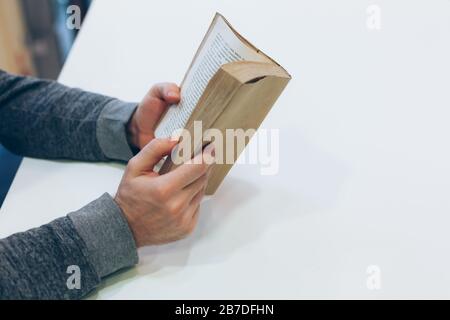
364, 161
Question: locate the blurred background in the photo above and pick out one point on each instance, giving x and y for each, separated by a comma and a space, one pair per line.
35, 41
34, 38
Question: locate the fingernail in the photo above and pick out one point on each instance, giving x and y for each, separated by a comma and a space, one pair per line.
172, 94
175, 137
211, 150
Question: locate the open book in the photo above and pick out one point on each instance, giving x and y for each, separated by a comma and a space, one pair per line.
229, 85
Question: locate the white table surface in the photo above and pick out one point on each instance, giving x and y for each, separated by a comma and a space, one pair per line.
364, 161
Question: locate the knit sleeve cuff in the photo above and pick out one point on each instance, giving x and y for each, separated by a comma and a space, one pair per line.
112, 132
106, 233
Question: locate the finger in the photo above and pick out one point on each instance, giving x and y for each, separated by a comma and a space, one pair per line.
168, 92
198, 185
195, 217
197, 199
189, 192
183, 199
191, 218
192, 170
195, 203
150, 155
158, 99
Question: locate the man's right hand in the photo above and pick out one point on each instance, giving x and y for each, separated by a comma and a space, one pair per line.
163, 208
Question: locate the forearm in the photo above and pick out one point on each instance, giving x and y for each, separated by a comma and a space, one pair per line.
45, 119
96, 240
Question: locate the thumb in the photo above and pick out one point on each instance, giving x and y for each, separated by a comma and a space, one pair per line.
150, 155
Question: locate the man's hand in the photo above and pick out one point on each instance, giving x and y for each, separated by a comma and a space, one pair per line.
163, 208
142, 126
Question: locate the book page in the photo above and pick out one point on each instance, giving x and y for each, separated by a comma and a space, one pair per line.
221, 46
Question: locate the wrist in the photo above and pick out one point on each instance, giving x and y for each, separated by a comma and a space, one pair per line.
133, 132
129, 219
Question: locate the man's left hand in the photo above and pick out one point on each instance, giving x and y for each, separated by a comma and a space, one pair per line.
142, 126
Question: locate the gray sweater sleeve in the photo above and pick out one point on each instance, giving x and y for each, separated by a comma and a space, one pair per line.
45, 119
67, 258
